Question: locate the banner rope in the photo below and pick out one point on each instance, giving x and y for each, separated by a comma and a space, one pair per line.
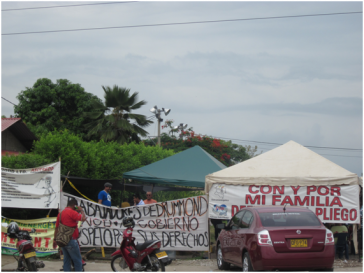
73, 186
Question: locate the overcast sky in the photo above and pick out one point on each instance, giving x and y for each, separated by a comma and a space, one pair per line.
270, 80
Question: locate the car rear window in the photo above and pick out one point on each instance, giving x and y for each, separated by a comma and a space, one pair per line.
289, 219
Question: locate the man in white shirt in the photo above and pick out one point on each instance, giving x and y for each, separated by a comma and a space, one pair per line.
137, 200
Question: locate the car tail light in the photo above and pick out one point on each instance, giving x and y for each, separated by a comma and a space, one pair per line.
329, 238
157, 245
264, 238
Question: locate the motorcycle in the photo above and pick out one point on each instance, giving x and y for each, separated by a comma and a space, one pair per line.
137, 257
27, 260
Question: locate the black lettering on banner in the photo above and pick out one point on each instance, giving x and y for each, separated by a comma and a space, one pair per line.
146, 211
186, 207
89, 207
83, 231
161, 211
154, 235
189, 234
171, 235
109, 222
206, 205
97, 222
159, 224
176, 238
168, 224
106, 237
207, 239
97, 209
177, 224
82, 205
165, 242
139, 224
143, 234
140, 215
117, 236
151, 211
153, 223
186, 224
190, 223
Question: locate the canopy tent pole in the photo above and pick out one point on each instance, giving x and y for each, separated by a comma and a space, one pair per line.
208, 228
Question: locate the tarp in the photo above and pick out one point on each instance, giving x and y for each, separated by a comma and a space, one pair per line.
187, 168
288, 165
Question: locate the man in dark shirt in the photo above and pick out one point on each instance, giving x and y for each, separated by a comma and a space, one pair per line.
70, 216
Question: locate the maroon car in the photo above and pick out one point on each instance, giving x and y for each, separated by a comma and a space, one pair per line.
275, 238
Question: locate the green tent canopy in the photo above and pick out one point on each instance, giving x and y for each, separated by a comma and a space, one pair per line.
187, 168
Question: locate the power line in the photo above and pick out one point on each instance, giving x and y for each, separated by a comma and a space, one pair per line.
66, 6
8, 101
184, 23
272, 143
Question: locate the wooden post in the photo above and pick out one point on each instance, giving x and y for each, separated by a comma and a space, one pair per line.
102, 252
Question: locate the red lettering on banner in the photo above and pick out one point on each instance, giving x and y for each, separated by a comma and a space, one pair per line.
326, 190
263, 200
47, 241
336, 214
4, 237
277, 189
251, 189
312, 200
344, 217
353, 215
287, 200
335, 190
324, 214
12, 241
262, 189
234, 209
318, 202
248, 198
295, 189
336, 201
327, 201
311, 189
318, 211
330, 213
276, 198
37, 242
297, 199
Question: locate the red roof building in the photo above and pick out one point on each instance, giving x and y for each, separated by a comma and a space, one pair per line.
15, 136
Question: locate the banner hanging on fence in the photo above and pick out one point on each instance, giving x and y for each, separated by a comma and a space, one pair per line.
180, 224
332, 204
36, 188
43, 240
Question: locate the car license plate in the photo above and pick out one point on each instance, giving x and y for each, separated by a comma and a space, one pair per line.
298, 242
161, 255
28, 255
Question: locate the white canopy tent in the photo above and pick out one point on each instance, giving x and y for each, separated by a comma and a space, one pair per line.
288, 165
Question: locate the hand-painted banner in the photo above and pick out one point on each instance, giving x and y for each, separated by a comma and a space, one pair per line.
36, 188
179, 224
332, 204
43, 240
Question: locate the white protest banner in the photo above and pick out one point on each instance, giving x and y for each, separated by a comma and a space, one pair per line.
332, 204
36, 188
180, 224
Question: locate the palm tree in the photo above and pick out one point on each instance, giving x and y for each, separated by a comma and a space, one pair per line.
112, 118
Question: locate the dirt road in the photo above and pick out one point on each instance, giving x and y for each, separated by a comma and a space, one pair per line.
179, 265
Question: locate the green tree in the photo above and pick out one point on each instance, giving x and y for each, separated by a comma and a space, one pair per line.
48, 106
112, 119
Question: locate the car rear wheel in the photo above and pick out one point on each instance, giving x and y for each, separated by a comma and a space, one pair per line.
247, 265
221, 264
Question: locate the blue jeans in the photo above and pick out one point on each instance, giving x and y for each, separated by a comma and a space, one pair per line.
72, 252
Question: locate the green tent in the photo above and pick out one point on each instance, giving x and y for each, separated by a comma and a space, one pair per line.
187, 168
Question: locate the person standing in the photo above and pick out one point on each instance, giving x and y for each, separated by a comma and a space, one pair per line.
137, 200
70, 216
149, 199
104, 195
125, 203
340, 228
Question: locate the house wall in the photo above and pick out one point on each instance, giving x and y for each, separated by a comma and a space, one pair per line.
10, 143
